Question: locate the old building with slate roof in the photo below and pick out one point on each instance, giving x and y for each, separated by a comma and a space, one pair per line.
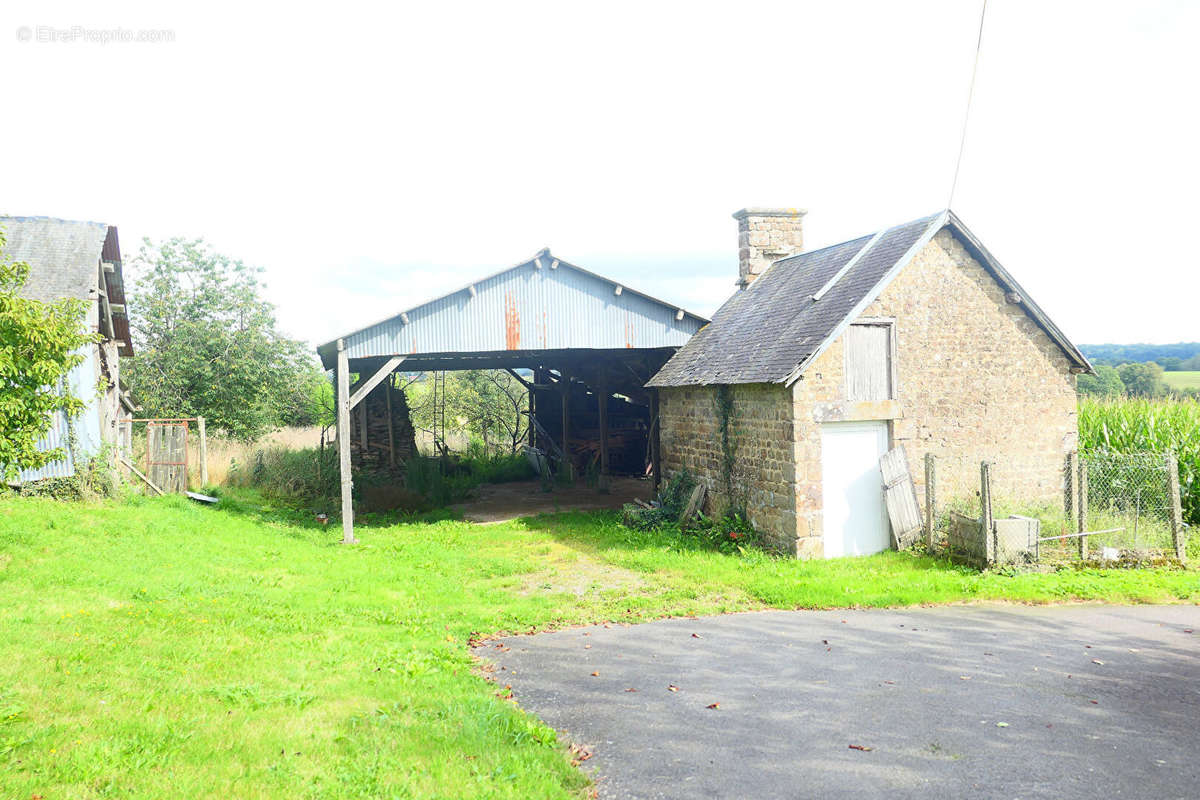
81, 260
914, 336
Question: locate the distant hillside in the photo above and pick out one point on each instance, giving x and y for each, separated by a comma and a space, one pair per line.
1118, 353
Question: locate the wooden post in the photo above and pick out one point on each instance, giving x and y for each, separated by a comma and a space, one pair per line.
930, 499
1070, 503
985, 502
1081, 497
203, 451
389, 387
655, 441
343, 437
1178, 537
539, 379
602, 401
566, 424
362, 430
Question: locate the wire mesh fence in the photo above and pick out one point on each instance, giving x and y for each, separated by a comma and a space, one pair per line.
1129, 503
1102, 506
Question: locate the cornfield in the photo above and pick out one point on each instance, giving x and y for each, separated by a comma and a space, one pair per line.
1129, 425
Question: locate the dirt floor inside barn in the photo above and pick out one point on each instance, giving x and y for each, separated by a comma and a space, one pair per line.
500, 502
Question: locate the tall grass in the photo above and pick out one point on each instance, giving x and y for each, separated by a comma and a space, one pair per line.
1132, 425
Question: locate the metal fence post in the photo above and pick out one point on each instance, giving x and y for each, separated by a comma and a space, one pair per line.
1178, 538
1082, 497
930, 498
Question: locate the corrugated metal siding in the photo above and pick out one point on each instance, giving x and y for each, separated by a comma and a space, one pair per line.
89, 437
526, 308
57, 437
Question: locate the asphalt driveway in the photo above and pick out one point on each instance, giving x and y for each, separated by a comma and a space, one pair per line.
956, 702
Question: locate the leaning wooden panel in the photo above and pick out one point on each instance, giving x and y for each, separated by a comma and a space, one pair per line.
901, 497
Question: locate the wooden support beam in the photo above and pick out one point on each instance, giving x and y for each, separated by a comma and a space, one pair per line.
391, 428
566, 422
343, 439
370, 383
513, 372
655, 441
362, 427
602, 408
135, 471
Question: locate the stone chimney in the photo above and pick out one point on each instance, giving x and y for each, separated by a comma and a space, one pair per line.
766, 235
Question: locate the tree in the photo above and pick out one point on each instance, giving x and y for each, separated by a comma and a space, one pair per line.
39, 344
1191, 364
483, 404
1143, 380
1105, 383
206, 343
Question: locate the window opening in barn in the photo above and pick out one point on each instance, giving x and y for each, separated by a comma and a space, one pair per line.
869, 370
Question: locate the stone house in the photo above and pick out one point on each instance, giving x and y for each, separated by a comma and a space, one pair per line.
80, 260
825, 360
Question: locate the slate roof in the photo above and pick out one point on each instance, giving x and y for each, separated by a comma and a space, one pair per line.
64, 261
770, 331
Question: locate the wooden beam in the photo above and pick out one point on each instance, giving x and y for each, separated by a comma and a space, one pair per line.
343, 438
524, 382
390, 425
655, 441
135, 471
566, 421
370, 383
602, 408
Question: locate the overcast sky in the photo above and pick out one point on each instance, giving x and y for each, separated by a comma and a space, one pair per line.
372, 158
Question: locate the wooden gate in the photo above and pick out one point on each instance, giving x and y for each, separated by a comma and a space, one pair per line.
901, 497
166, 455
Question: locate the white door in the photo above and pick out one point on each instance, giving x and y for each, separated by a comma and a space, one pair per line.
855, 518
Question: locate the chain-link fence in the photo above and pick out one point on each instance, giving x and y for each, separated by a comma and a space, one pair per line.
1129, 503
1102, 506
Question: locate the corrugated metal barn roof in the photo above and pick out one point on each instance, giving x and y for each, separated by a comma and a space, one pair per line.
541, 304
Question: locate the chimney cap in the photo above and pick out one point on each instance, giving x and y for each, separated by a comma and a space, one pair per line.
755, 211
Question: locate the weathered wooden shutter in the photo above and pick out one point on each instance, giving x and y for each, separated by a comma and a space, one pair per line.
901, 497
868, 362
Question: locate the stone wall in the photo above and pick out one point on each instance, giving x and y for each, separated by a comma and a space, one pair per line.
763, 476
976, 378
766, 235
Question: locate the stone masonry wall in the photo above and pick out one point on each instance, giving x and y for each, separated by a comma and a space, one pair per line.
976, 379
761, 427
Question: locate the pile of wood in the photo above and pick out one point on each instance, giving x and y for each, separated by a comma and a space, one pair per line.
381, 433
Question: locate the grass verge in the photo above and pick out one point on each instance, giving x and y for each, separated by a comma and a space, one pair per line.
155, 648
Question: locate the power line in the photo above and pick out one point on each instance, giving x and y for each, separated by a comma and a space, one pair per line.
962, 142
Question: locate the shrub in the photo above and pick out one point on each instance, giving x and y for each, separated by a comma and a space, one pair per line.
730, 533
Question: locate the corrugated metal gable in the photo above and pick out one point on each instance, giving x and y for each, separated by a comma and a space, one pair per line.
527, 308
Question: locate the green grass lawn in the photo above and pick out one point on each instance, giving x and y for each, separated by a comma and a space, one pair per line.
159, 649
1182, 380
